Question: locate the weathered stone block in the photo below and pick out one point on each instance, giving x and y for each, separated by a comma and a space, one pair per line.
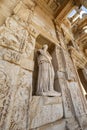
8, 79
44, 110
67, 101
20, 112
27, 64
58, 125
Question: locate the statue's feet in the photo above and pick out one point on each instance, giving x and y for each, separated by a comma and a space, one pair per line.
49, 93
53, 93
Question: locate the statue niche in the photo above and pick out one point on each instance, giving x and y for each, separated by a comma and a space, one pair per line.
45, 83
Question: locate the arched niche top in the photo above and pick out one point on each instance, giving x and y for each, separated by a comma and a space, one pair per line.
41, 40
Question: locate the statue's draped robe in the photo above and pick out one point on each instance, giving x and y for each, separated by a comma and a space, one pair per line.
46, 73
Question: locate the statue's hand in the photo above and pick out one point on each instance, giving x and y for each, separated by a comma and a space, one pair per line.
39, 51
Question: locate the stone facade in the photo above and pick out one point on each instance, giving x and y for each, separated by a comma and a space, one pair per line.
25, 29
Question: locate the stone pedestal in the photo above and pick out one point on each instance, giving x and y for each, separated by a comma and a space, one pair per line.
58, 125
44, 110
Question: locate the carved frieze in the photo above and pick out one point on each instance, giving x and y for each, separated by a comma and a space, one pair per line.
12, 56
16, 58
15, 36
11, 40
8, 39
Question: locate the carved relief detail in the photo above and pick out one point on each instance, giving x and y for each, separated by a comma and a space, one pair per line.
4, 95
15, 36
20, 114
8, 75
12, 57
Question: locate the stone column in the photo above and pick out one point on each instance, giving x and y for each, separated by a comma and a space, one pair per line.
74, 107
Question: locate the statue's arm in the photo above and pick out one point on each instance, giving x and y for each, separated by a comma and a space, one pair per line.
48, 56
40, 51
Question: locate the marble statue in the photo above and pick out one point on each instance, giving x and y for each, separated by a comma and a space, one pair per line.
46, 74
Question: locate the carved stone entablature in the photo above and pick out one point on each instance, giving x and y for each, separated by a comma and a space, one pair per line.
30, 4
67, 6
24, 11
49, 6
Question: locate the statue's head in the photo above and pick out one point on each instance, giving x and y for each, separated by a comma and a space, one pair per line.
45, 47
